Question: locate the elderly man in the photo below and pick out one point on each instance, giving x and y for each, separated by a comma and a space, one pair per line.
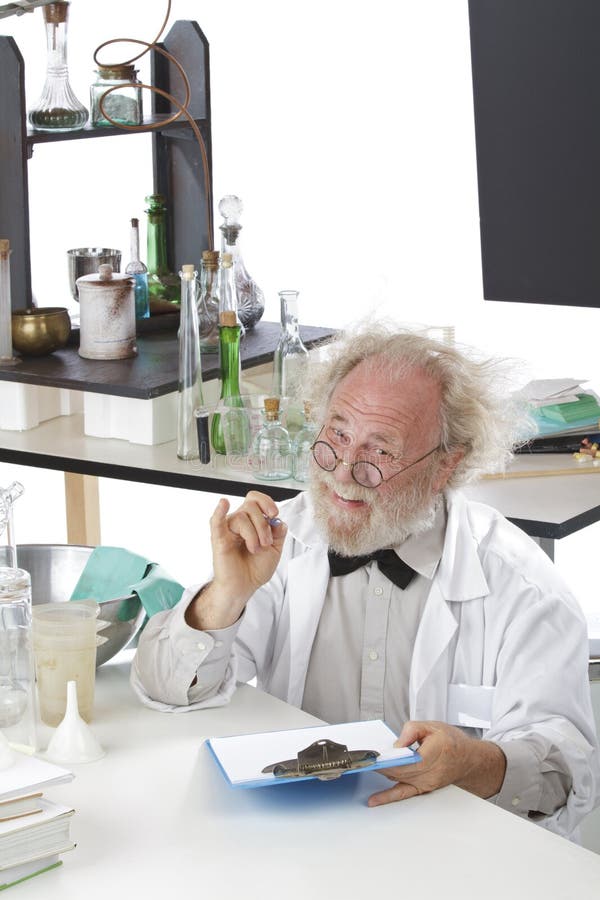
381, 592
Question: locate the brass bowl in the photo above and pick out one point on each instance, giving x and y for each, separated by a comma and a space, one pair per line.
38, 331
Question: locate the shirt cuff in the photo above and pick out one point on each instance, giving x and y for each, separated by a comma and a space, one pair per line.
521, 789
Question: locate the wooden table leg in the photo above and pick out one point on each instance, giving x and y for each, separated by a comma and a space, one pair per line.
83, 509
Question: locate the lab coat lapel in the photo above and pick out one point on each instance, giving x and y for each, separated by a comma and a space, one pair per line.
307, 585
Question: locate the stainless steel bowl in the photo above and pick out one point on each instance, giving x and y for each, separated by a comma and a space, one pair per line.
55, 570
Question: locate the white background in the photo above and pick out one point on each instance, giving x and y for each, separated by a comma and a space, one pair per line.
347, 129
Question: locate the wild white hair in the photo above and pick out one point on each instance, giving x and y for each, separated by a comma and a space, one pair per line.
478, 413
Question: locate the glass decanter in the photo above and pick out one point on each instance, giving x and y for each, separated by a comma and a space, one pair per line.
290, 361
251, 301
189, 396
162, 283
302, 446
58, 109
272, 448
139, 273
208, 302
230, 332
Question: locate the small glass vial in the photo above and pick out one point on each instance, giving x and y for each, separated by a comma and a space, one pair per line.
17, 672
139, 273
272, 448
208, 302
302, 446
6, 348
189, 396
116, 93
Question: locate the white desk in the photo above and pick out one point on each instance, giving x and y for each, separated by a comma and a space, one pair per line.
155, 819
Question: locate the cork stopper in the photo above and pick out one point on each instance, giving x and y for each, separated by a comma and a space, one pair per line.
56, 13
227, 318
210, 259
307, 405
187, 272
226, 260
4, 247
272, 407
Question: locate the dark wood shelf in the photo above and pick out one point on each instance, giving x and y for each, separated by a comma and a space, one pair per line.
150, 124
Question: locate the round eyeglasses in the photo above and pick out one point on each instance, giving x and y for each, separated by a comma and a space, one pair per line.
363, 472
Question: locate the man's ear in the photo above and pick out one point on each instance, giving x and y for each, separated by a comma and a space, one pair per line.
448, 464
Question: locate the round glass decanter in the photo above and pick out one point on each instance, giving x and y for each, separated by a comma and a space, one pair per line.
251, 300
272, 458
58, 109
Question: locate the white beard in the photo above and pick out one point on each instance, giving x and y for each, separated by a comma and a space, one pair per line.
384, 523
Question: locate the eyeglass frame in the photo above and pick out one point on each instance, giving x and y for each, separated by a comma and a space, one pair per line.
367, 462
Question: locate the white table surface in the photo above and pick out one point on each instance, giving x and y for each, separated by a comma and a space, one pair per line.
155, 819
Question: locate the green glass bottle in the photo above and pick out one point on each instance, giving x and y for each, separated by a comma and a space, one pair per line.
230, 431
162, 283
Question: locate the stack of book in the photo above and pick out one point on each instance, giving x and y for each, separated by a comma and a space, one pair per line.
34, 831
564, 414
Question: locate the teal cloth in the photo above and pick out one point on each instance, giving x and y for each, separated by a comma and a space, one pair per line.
114, 572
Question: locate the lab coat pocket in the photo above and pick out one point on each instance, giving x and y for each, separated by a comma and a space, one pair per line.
470, 705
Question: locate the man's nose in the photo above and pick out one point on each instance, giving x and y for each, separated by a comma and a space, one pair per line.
343, 471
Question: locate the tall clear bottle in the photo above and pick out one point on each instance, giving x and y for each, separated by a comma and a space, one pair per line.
139, 272
272, 448
230, 364
163, 284
290, 361
58, 109
189, 395
6, 348
251, 300
208, 302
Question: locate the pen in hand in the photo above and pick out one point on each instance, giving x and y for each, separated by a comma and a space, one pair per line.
273, 522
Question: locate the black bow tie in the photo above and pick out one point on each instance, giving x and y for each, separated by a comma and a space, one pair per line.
389, 564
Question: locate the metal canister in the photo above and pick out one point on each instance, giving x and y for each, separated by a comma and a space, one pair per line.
107, 315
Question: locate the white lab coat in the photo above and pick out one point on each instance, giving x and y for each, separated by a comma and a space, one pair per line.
501, 646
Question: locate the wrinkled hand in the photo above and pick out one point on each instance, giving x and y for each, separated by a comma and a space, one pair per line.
448, 757
246, 550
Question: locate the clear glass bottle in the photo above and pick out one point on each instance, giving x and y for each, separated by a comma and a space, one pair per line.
139, 272
123, 105
290, 361
230, 332
189, 395
8, 543
251, 300
163, 284
6, 348
58, 109
18, 710
272, 448
208, 302
302, 446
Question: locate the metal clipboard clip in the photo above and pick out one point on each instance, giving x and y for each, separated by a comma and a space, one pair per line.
324, 760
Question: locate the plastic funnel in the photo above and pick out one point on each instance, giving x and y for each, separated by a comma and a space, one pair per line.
73, 741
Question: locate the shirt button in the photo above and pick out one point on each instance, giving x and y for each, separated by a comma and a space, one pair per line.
373, 654
515, 801
218, 643
378, 592
201, 646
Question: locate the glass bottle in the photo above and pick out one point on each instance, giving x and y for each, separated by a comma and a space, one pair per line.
8, 545
290, 361
17, 672
58, 109
251, 300
229, 348
6, 348
208, 302
123, 105
162, 283
272, 448
302, 446
189, 395
139, 272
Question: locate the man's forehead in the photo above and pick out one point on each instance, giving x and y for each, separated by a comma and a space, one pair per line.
402, 393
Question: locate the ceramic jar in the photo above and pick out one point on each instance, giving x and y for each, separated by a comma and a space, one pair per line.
107, 317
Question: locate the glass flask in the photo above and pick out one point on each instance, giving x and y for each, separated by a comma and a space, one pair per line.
139, 273
17, 671
251, 301
58, 109
8, 544
162, 283
123, 105
290, 360
6, 347
302, 446
272, 448
230, 332
208, 302
189, 395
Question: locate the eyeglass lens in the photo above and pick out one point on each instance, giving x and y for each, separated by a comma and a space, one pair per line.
363, 472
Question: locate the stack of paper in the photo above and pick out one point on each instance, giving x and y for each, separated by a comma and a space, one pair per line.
563, 411
34, 831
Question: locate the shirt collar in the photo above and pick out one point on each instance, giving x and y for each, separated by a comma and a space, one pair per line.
423, 551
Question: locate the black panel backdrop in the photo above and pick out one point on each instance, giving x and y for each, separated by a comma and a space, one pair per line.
536, 85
